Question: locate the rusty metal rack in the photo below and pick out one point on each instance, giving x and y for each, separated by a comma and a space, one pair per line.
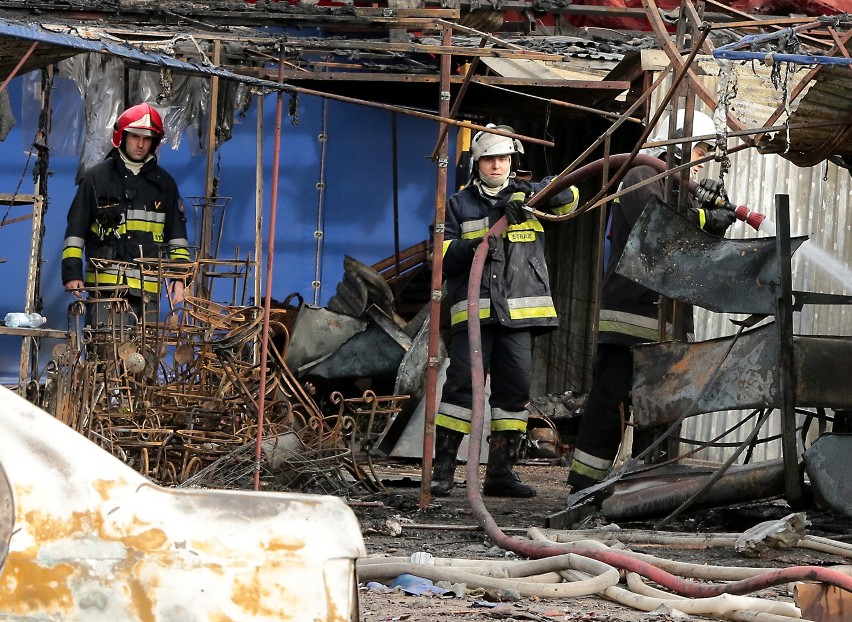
371, 416
178, 397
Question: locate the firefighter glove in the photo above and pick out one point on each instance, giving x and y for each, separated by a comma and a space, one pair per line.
711, 194
718, 220
514, 208
493, 244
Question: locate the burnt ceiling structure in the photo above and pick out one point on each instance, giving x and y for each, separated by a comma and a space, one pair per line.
521, 59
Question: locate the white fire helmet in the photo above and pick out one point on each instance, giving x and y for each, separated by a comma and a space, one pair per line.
702, 125
487, 144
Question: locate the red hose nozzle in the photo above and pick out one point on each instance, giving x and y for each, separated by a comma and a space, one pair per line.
749, 217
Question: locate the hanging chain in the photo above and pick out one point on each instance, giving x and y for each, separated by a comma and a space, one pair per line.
546, 131
319, 234
726, 93
788, 45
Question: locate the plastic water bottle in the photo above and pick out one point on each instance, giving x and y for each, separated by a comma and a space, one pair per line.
24, 320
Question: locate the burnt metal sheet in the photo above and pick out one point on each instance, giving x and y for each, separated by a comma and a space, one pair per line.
827, 98
317, 333
373, 353
822, 366
669, 378
668, 254
660, 492
830, 471
410, 380
94, 540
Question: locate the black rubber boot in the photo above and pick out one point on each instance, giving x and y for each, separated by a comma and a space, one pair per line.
444, 465
500, 479
577, 482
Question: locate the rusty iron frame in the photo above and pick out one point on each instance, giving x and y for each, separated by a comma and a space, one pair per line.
433, 346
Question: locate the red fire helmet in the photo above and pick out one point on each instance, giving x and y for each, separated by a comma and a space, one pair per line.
142, 119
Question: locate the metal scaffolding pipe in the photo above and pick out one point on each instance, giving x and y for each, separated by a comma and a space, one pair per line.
270, 262
433, 346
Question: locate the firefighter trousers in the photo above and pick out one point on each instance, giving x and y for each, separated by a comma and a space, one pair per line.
506, 355
600, 427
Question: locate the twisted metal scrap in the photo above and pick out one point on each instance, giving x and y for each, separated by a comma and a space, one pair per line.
179, 398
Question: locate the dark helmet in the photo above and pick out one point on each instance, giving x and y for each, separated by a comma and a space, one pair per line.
141, 119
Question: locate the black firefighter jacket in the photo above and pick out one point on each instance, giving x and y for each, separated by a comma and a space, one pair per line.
114, 214
515, 286
629, 311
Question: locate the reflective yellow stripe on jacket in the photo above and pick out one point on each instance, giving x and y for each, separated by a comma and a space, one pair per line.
503, 420
179, 250
531, 307
458, 312
73, 248
631, 324
131, 276
474, 229
568, 207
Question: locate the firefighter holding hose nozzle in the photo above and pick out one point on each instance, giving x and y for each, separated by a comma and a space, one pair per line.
514, 305
629, 312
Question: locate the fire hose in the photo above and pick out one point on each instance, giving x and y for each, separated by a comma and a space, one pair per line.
538, 550
705, 193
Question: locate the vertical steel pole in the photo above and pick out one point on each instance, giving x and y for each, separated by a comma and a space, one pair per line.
270, 261
784, 322
33, 302
258, 199
395, 170
437, 269
204, 245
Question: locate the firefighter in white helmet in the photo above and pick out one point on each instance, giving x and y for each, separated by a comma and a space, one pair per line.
515, 304
126, 207
629, 312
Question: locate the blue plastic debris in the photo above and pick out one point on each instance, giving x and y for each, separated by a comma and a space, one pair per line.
417, 586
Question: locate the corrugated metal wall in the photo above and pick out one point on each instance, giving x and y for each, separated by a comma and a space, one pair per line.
819, 208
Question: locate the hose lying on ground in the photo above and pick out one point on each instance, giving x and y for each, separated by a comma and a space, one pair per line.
725, 606
601, 577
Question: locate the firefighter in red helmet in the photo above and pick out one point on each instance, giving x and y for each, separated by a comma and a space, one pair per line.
126, 207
